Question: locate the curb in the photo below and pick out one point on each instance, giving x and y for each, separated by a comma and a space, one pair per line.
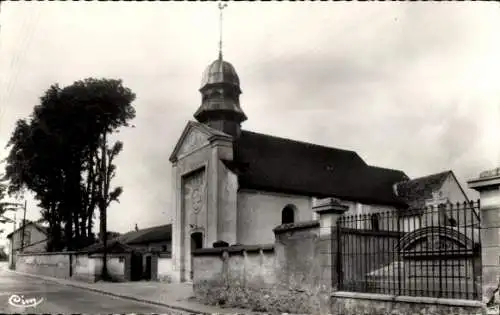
127, 297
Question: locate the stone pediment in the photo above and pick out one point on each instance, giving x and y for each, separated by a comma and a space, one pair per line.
437, 241
195, 136
193, 140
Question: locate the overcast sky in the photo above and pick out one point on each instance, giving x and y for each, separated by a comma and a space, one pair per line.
410, 86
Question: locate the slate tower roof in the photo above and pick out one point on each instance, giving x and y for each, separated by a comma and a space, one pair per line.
220, 105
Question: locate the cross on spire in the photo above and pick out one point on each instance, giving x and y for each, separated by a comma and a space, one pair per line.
221, 7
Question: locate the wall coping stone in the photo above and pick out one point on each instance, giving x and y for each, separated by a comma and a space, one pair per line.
487, 180
233, 249
408, 299
109, 255
330, 205
296, 226
372, 232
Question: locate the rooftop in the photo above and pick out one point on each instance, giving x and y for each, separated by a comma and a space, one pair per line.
416, 191
144, 236
276, 164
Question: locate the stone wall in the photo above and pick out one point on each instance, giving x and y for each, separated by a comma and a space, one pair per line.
235, 276
70, 265
165, 268
115, 264
47, 264
84, 268
347, 303
283, 277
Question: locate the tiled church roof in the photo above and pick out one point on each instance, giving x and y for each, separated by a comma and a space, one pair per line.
282, 165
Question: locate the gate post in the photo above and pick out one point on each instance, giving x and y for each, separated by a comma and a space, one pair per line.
488, 186
328, 210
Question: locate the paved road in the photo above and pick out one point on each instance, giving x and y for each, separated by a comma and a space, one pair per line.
62, 299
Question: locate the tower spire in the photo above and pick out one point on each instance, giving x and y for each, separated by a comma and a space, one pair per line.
221, 7
220, 89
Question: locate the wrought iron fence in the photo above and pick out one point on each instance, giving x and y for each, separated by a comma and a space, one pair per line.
432, 252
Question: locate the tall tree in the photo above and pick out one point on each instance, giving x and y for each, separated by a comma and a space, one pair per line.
6, 206
61, 153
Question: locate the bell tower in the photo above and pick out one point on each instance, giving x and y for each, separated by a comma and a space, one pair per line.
220, 90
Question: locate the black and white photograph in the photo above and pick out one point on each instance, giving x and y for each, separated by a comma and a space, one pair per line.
250, 157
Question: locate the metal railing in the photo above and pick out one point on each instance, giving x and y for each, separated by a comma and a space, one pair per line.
433, 252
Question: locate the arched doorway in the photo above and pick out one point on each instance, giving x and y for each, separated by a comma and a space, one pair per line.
196, 243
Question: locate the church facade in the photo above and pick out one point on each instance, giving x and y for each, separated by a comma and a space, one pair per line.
235, 186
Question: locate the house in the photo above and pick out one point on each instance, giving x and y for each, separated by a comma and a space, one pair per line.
435, 191
138, 255
35, 240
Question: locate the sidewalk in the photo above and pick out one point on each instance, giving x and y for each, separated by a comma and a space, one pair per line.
175, 296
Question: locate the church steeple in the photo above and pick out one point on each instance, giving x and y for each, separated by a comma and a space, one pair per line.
220, 90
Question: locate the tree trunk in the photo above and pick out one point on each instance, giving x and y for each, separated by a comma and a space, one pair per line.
89, 228
68, 229
102, 207
78, 239
83, 230
73, 204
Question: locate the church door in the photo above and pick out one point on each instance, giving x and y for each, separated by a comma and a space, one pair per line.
196, 243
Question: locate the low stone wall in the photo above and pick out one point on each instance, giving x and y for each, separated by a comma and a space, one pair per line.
282, 277
235, 276
84, 268
70, 265
55, 265
115, 264
349, 303
165, 268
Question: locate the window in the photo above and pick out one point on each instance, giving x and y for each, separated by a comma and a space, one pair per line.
375, 219
164, 248
288, 214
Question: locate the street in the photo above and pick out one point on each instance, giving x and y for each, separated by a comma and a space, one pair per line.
63, 299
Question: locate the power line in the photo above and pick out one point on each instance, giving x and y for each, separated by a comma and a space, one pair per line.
16, 63
13, 62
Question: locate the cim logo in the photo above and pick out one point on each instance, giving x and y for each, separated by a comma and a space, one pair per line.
20, 301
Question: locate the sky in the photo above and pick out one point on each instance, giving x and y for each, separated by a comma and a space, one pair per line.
408, 86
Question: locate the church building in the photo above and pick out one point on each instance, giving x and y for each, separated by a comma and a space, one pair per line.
235, 186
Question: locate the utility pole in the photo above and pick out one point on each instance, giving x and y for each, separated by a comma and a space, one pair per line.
15, 218
11, 258
23, 225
